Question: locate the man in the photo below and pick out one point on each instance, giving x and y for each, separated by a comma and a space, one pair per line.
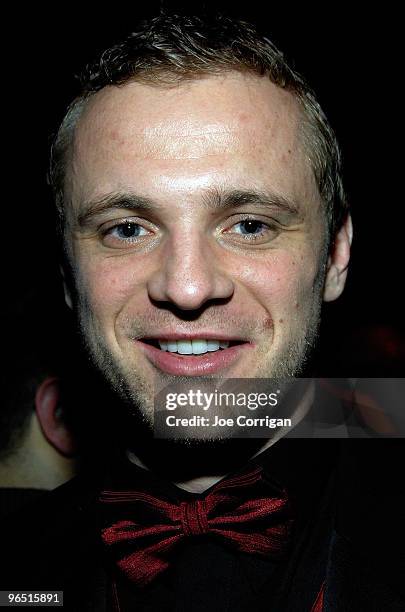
204, 222
38, 455
37, 451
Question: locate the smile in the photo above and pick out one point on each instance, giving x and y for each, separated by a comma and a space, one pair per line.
192, 346
192, 356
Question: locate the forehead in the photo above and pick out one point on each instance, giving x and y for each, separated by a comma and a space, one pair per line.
232, 128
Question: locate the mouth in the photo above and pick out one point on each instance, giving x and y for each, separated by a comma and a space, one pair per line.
194, 346
192, 356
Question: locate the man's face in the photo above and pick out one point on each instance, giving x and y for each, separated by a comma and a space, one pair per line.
194, 224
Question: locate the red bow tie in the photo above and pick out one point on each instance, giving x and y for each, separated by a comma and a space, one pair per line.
244, 511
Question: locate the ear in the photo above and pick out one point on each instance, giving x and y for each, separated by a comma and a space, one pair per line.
338, 261
66, 290
47, 408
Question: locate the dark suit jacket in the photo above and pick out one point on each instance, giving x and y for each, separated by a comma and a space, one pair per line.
56, 544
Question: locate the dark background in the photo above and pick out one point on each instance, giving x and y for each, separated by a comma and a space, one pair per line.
351, 60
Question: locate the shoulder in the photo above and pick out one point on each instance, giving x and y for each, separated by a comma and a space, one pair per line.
48, 540
366, 560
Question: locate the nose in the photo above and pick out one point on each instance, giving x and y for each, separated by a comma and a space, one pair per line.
189, 274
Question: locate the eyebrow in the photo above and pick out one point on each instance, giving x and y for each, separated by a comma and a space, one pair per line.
217, 199
112, 201
213, 199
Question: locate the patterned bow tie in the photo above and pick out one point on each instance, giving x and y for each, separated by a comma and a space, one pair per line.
243, 511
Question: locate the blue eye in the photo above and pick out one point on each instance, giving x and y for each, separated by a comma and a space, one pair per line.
125, 234
128, 230
250, 227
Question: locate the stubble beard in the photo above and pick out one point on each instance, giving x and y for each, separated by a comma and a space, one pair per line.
137, 394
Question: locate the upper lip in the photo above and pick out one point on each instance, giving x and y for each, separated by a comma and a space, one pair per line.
193, 336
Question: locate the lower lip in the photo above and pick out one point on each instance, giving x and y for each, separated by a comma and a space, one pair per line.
198, 365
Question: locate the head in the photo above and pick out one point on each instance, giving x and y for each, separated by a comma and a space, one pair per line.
199, 190
36, 443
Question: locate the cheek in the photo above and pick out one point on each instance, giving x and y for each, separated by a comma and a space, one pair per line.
283, 283
109, 283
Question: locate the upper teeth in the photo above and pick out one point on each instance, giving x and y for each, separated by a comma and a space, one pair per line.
192, 347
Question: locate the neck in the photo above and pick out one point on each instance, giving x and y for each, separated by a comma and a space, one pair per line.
196, 469
35, 464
